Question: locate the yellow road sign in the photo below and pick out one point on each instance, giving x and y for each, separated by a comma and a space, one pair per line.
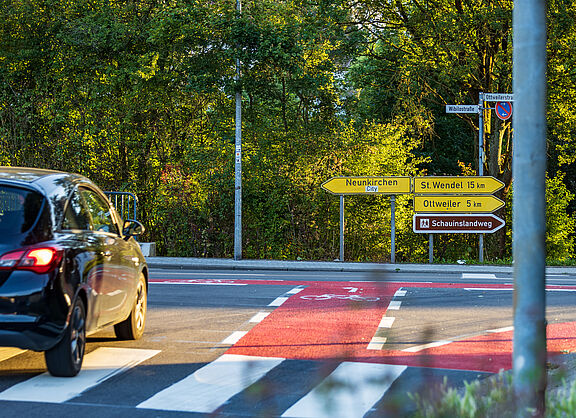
457, 204
457, 185
368, 185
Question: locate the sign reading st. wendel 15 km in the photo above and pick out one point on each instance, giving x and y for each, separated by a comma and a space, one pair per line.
457, 185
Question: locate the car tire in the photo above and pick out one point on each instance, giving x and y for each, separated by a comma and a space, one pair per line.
65, 358
133, 327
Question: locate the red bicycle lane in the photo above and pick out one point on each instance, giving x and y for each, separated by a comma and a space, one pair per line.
337, 320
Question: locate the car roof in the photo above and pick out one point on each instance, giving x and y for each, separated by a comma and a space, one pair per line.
26, 174
55, 185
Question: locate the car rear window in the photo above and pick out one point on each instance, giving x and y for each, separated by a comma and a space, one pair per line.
19, 210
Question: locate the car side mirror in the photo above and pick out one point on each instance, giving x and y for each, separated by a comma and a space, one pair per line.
132, 228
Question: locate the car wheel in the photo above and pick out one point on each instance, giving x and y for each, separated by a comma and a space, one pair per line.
65, 358
133, 327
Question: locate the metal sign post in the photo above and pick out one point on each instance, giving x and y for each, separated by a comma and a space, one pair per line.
481, 162
393, 229
341, 228
479, 109
238, 160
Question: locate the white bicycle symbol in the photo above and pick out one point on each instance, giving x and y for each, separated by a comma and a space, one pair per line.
327, 296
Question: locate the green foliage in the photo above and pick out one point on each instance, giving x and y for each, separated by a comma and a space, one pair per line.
139, 96
490, 397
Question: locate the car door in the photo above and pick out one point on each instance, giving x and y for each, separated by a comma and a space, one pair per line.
118, 280
86, 252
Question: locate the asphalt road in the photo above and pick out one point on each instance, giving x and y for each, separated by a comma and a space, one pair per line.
289, 343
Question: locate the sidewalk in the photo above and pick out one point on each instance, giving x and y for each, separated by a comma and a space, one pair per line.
187, 263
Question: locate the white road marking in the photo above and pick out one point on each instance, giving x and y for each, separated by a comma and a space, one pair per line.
394, 305
295, 290
9, 352
234, 337
195, 282
505, 329
386, 322
350, 391
212, 385
99, 365
426, 346
511, 288
377, 343
478, 276
259, 317
400, 293
278, 301
417, 348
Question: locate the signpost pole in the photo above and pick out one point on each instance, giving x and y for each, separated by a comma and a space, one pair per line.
393, 229
529, 208
341, 227
430, 248
238, 160
481, 162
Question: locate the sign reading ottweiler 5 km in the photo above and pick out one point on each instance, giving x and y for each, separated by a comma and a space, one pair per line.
368, 185
457, 223
457, 204
457, 185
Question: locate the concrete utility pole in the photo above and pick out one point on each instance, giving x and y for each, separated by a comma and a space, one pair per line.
529, 209
238, 159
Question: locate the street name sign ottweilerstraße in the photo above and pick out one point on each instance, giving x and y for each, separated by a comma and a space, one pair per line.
452, 108
457, 204
457, 185
499, 97
426, 223
368, 185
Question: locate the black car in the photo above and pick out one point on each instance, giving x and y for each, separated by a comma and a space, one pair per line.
69, 266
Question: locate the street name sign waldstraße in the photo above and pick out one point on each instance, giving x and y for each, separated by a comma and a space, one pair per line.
426, 223
451, 108
368, 185
457, 204
457, 185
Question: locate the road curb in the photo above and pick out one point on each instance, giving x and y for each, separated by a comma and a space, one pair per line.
189, 263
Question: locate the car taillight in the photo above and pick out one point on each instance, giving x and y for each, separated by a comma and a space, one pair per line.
38, 260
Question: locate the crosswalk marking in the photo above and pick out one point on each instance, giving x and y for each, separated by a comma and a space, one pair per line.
350, 391
99, 365
212, 385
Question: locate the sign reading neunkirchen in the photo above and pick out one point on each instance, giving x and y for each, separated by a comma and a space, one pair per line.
368, 185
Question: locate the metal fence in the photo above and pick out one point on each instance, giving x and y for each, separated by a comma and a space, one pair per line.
126, 204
